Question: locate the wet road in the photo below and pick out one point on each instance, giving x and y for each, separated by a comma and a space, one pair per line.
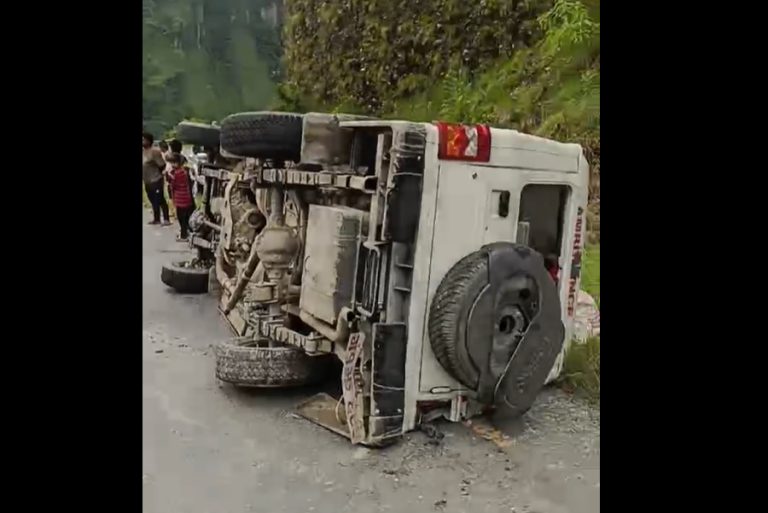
209, 448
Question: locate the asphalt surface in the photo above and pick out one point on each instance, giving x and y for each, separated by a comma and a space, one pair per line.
210, 448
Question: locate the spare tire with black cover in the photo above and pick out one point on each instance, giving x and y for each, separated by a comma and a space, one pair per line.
495, 324
247, 362
263, 135
185, 277
199, 134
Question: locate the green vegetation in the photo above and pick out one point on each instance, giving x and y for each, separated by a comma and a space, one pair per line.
533, 65
581, 371
366, 55
204, 59
582, 362
590, 274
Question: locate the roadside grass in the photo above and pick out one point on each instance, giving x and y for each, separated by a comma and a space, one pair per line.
590, 278
581, 369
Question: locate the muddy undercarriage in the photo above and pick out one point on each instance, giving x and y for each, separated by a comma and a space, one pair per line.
294, 289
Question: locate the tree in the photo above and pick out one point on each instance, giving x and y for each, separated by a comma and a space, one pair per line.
206, 59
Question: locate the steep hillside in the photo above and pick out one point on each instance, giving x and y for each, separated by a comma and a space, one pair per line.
368, 53
533, 65
529, 64
208, 58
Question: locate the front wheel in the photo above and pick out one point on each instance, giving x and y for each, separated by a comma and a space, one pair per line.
246, 362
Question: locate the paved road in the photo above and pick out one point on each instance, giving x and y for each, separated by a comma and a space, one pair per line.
209, 448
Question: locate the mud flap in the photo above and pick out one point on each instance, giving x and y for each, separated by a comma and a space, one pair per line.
388, 382
520, 359
385, 422
352, 386
325, 411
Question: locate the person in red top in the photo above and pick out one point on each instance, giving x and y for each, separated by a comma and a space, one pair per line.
178, 177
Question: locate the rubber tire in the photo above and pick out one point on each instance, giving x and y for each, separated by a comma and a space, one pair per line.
465, 280
199, 134
263, 135
185, 280
459, 294
267, 366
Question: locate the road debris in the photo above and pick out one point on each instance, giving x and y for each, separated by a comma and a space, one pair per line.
434, 435
489, 433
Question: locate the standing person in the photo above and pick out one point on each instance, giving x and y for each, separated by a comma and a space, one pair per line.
178, 177
176, 148
166, 152
152, 169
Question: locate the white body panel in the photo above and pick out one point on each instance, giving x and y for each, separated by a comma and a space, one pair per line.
458, 216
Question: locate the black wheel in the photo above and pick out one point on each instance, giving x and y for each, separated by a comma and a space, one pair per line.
263, 135
243, 362
449, 311
494, 324
185, 278
198, 134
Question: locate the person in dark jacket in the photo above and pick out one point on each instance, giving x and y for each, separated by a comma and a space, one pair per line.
153, 166
178, 178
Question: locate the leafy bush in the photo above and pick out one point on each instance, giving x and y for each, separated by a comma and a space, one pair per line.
207, 58
373, 53
590, 273
582, 362
581, 371
534, 67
